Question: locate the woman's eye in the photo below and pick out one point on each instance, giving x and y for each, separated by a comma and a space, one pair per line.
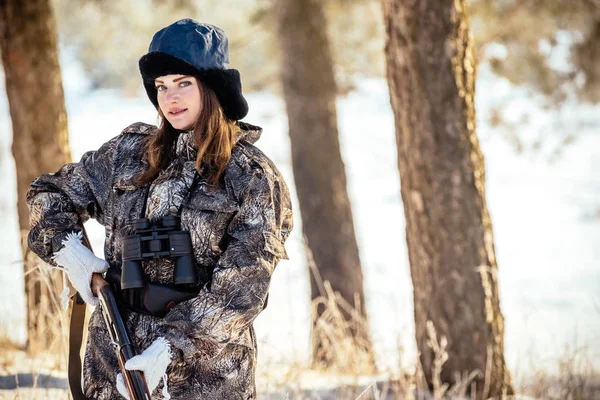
185, 83
160, 88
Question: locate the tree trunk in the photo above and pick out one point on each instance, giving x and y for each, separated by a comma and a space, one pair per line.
310, 94
431, 76
40, 142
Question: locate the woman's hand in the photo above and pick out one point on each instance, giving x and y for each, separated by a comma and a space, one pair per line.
97, 283
153, 362
80, 264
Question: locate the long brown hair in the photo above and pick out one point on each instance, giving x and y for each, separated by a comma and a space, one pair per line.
214, 136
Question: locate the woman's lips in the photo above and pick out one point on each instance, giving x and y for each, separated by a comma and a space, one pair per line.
176, 112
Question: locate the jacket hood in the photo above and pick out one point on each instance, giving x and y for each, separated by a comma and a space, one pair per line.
248, 132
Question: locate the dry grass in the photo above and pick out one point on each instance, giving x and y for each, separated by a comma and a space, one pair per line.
51, 331
34, 394
575, 377
344, 334
9, 347
42, 364
25, 375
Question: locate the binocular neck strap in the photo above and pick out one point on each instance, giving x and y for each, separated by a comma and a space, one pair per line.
146, 190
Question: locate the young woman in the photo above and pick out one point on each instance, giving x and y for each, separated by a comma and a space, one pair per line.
228, 200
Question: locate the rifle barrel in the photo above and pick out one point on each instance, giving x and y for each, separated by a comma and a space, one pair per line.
134, 380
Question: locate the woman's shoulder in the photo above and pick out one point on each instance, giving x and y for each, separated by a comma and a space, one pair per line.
127, 149
250, 158
133, 137
246, 161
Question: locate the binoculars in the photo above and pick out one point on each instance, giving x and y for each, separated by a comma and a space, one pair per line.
159, 239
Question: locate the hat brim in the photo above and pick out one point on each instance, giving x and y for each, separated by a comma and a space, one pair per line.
226, 83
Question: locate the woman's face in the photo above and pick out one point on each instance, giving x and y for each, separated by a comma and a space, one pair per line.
179, 100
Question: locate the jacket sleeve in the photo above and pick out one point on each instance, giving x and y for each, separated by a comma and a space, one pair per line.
241, 278
61, 202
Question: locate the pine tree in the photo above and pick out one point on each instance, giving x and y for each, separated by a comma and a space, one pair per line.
40, 140
431, 77
320, 178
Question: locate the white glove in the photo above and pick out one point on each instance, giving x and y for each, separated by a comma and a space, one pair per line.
80, 263
153, 362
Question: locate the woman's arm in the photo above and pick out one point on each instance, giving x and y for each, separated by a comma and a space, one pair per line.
59, 203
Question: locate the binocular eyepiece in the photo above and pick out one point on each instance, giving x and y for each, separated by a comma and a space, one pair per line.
160, 239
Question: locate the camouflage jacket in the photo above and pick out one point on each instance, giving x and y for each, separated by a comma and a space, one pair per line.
237, 231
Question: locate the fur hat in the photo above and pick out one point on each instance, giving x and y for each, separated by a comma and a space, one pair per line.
188, 47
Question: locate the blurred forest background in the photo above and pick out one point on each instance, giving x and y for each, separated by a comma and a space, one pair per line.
308, 53
549, 47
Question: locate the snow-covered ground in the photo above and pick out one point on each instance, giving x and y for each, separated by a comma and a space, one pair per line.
545, 232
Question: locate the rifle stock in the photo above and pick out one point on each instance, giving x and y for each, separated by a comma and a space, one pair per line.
134, 380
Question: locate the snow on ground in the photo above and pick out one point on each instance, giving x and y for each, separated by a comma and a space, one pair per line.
546, 237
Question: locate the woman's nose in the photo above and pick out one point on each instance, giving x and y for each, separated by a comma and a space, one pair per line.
172, 96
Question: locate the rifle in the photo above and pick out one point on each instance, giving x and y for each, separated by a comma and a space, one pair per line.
134, 380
